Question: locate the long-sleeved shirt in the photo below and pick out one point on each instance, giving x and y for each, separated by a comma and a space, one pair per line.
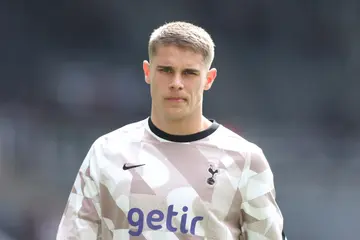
139, 182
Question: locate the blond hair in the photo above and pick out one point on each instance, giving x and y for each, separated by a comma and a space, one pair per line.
183, 35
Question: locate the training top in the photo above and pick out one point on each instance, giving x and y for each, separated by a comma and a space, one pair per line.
141, 183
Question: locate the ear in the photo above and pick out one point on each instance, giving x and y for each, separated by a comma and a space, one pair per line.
210, 78
146, 68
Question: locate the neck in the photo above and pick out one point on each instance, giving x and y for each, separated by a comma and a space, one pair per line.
185, 126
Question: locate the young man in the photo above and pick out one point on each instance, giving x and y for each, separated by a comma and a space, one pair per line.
176, 174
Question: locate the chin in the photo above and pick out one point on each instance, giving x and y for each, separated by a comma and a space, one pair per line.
175, 114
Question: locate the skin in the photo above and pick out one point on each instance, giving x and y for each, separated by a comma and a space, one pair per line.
178, 78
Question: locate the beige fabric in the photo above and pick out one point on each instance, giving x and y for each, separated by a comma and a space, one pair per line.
169, 197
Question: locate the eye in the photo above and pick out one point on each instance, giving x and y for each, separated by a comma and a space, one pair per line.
189, 72
165, 70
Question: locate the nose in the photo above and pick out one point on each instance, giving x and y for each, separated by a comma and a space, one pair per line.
176, 83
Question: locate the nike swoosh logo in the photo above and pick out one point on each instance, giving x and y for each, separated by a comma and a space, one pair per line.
128, 166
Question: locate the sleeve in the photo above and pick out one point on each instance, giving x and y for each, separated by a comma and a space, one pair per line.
261, 217
80, 219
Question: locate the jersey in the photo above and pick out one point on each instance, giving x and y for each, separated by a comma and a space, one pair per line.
139, 182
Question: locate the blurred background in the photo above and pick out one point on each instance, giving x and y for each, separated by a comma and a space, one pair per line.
288, 72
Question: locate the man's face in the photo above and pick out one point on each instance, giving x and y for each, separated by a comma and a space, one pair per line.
177, 78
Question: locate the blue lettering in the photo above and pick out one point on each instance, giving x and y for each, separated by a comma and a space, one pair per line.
170, 215
193, 224
183, 221
139, 223
155, 217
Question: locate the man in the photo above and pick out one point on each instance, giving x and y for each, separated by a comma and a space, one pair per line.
176, 174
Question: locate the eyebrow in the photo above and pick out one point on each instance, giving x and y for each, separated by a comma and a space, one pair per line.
186, 69
164, 67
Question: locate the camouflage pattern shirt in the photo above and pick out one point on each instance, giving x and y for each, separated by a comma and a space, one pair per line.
139, 182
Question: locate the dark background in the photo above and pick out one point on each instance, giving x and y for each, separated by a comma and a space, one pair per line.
288, 72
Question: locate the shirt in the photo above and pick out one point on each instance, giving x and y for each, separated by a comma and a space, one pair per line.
138, 182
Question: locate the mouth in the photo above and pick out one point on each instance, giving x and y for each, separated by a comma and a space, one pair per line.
175, 99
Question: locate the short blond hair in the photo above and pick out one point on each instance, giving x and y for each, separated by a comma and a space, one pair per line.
183, 35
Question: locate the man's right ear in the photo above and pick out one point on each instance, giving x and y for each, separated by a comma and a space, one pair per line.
146, 68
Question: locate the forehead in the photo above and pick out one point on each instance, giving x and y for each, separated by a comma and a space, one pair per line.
177, 57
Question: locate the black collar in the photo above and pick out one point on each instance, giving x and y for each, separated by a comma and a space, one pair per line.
183, 138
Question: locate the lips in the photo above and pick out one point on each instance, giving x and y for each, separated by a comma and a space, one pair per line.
175, 99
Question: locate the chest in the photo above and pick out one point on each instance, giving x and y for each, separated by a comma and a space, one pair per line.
172, 186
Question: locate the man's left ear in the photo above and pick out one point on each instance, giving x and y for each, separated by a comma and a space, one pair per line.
210, 78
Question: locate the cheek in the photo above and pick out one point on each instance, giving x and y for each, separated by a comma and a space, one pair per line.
153, 90
197, 93
157, 81
156, 87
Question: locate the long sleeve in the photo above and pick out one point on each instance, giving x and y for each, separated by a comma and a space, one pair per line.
80, 219
261, 217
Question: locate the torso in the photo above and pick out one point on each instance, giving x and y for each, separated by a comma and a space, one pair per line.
183, 190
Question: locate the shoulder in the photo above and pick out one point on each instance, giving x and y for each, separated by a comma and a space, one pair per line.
123, 136
241, 149
228, 140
